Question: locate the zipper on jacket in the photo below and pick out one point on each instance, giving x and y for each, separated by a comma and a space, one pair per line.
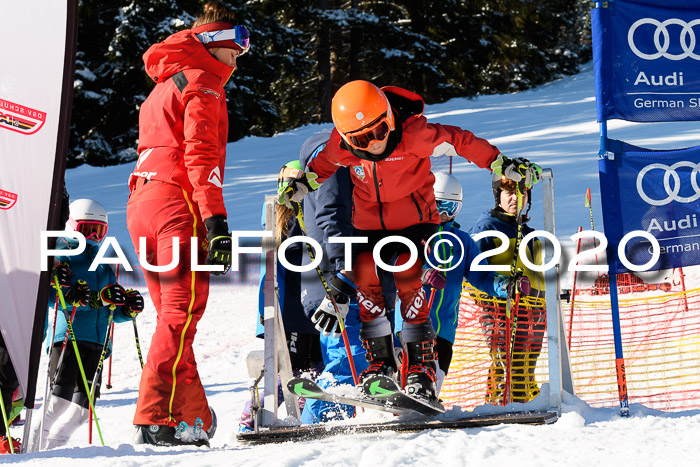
430, 209
420, 213
379, 198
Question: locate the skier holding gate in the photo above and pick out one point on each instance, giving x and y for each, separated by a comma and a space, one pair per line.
530, 315
94, 296
176, 191
383, 137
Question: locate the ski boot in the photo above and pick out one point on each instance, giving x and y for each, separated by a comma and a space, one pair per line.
166, 435
5, 445
212, 429
380, 355
420, 378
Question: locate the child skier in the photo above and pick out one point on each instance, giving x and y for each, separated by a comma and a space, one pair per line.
444, 311
530, 316
92, 296
383, 137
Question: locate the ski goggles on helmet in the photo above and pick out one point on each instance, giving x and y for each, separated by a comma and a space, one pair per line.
238, 34
376, 132
287, 174
91, 230
450, 208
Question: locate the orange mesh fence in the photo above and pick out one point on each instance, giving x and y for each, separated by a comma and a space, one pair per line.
486, 347
660, 327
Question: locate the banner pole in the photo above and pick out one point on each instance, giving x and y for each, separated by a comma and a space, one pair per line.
619, 358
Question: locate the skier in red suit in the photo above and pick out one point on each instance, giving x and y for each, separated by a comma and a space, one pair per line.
176, 191
383, 137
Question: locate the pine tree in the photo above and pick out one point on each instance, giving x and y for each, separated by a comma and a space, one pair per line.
302, 51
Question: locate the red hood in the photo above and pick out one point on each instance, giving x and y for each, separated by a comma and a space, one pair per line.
182, 51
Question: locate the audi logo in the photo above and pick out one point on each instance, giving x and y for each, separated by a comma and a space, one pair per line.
672, 192
662, 39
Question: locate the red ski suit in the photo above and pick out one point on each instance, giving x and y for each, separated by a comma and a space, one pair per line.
396, 193
183, 128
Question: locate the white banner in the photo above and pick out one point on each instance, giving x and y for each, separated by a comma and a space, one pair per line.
37, 60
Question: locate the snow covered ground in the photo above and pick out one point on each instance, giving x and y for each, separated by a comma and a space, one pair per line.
554, 126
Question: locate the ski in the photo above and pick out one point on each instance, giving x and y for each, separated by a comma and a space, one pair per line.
320, 431
305, 387
385, 389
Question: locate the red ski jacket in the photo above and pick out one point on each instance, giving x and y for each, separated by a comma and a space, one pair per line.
183, 124
397, 192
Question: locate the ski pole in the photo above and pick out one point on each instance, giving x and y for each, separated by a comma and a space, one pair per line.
138, 345
300, 217
100, 365
48, 372
7, 425
77, 356
513, 297
59, 364
590, 209
109, 367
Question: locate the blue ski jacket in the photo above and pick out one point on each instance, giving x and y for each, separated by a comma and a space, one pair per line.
444, 311
89, 324
495, 219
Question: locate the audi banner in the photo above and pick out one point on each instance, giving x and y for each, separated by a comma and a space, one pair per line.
646, 57
651, 194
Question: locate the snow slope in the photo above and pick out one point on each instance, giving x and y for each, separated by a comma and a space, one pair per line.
553, 125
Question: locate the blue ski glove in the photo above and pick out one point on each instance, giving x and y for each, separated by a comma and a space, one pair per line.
502, 284
325, 318
518, 169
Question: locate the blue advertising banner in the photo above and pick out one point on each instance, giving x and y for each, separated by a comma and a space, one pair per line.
647, 60
656, 192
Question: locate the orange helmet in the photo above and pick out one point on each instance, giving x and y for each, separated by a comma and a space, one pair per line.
362, 114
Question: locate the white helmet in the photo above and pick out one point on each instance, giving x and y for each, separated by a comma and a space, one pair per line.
89, 218
447, 187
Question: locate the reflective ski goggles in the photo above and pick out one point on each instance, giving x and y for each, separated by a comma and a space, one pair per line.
450, 208
239, 35
376, 132
91, 230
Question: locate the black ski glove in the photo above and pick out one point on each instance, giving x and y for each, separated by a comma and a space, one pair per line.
113, 294
78, 294
219, 238
62, 272
95, 300
519, 169
134, 303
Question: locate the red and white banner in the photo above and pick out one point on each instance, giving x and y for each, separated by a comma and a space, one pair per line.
37, 58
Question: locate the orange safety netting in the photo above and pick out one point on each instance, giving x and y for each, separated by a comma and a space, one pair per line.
660, 327
488, 349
